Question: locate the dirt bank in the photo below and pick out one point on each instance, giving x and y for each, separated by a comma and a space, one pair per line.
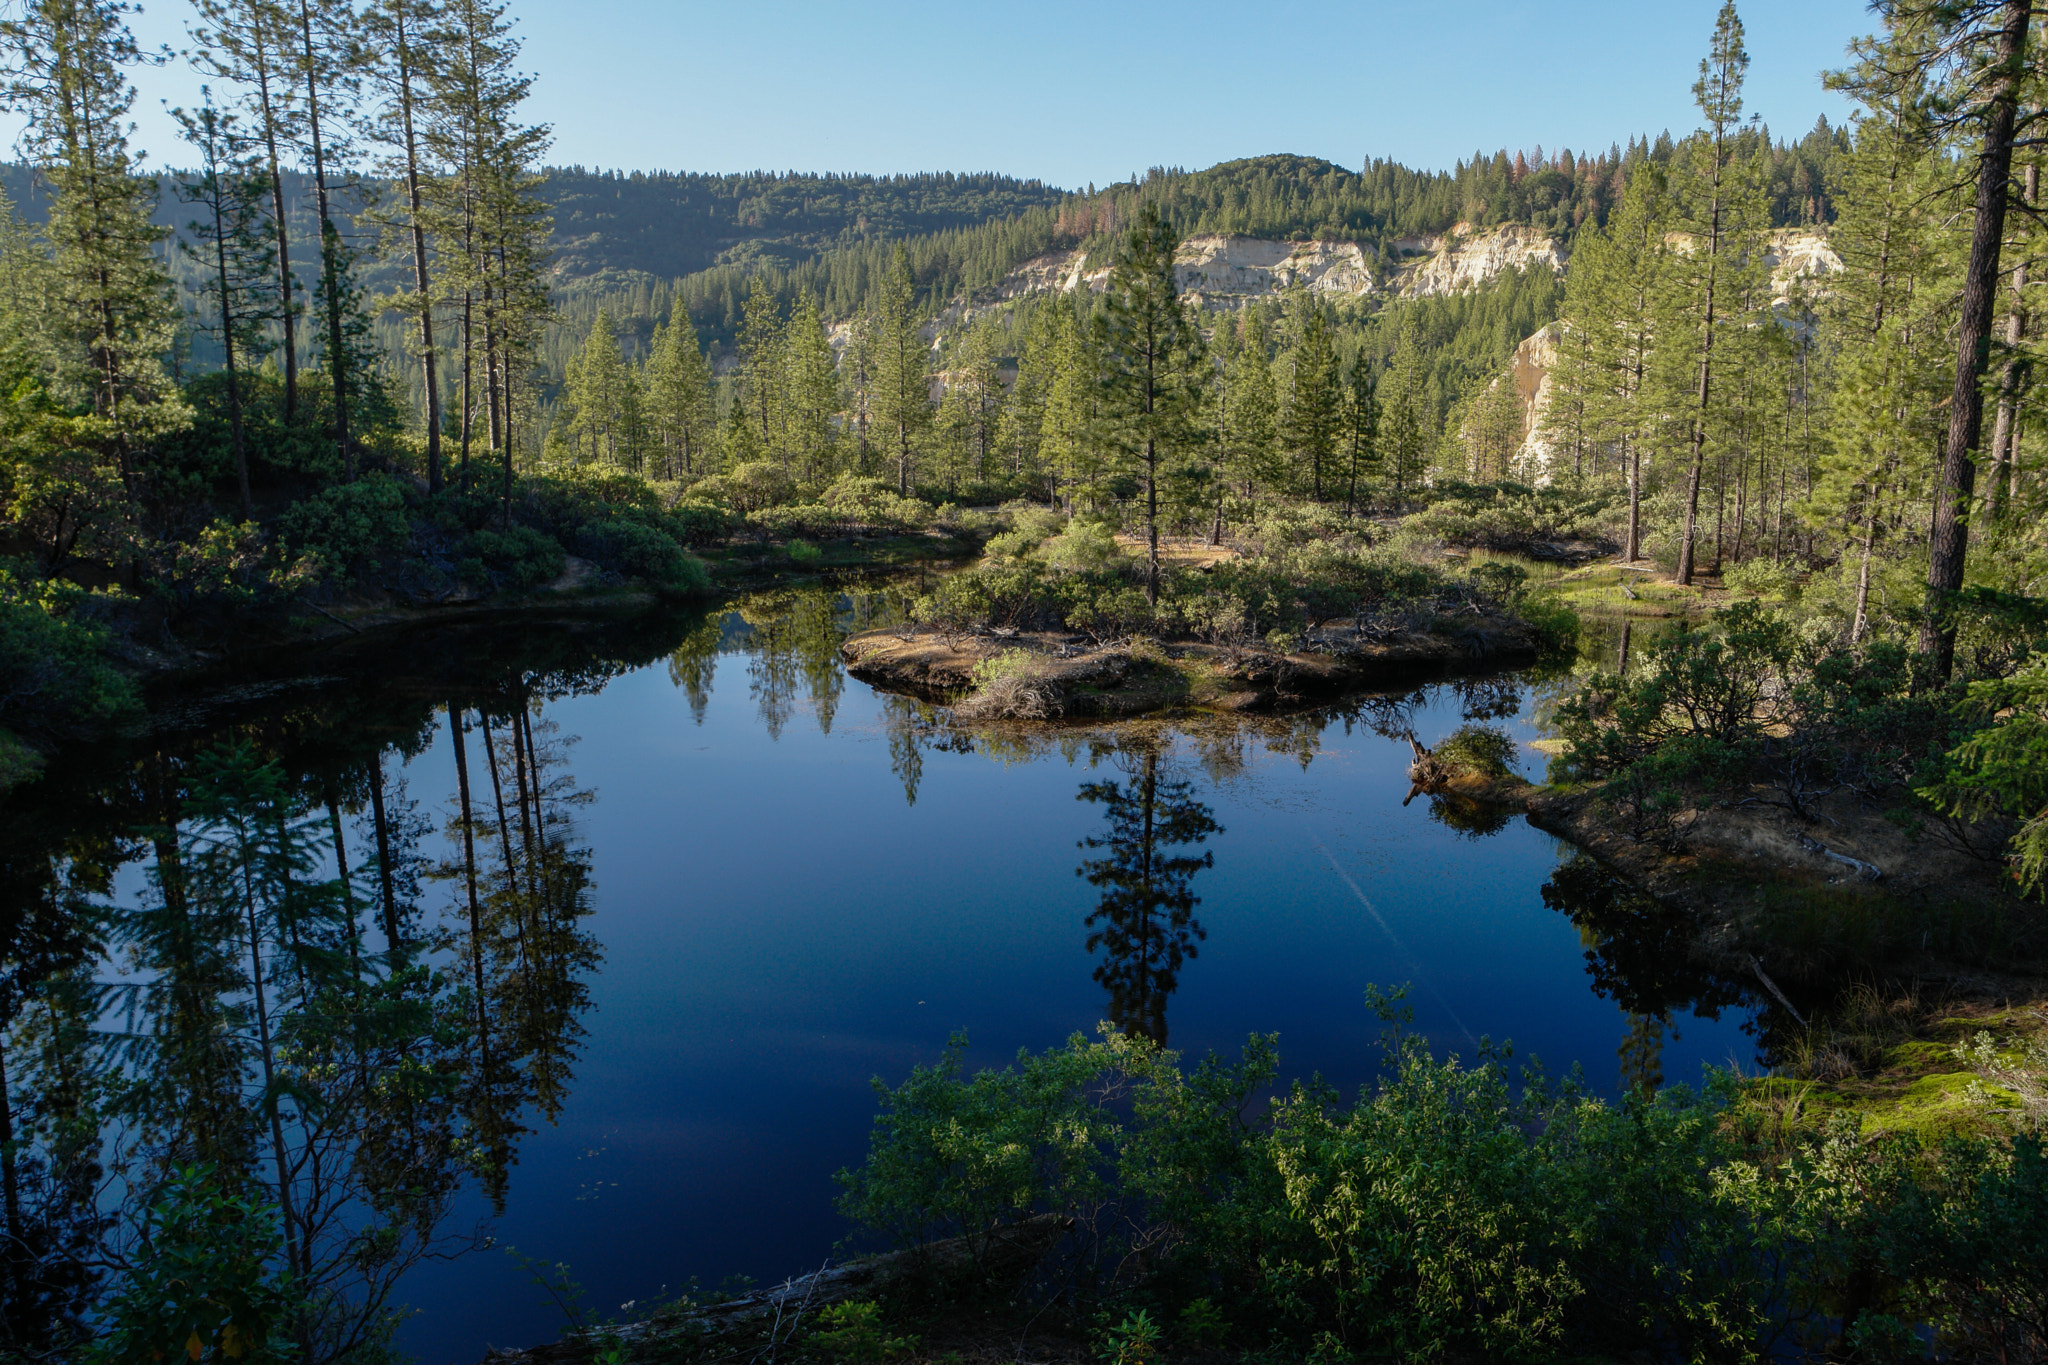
1061, 675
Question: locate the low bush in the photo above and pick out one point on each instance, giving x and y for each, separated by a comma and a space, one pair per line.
521, 559
351, 527
55, 678
1457, 1211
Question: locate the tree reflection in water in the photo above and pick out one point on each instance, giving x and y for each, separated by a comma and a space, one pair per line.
1641, 954
285, 1006
1144, 924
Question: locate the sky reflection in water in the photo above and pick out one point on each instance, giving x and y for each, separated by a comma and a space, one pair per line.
780, 923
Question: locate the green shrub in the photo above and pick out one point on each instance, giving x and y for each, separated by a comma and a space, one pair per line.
1760, 578
350, 527
1456, 1212
199, 1284
803, 552
1082, 547
1483, 749
640, 551
55, 679
521, 558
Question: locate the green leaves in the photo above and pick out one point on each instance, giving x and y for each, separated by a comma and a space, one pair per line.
2002, 771
203, 1284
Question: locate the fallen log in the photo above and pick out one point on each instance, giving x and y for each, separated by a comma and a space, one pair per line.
1004, 1253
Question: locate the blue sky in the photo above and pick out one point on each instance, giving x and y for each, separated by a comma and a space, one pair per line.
1079, 92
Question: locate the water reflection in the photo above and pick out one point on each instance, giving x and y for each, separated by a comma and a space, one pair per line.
351, 965
1144, 922
278, 996
1642, 954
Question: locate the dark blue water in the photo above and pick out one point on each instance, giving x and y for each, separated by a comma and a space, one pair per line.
782, 919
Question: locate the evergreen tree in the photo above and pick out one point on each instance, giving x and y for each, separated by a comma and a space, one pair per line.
601, 396
1719, 203
1313, 415
109, 293
902, 402
248, 42
809, 388
1361, 431
1066, 446
1251, 404
230, 241
759, 377
1152, 371
678, 396
402, 33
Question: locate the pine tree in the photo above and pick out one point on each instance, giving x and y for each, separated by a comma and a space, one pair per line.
1250, 446
1406, 412
230, 242
402, 31
809, 386
329, 63
760, 369
1313, 414
678, 389
1718, 205
1361, 431
108, 288
902, 404
601, 395
1066, 445
1153, 374
248, 42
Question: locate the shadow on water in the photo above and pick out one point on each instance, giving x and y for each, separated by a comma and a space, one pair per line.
253, 939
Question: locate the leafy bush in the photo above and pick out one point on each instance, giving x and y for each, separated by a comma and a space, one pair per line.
55, 679
200, 1285
1083, 547
641, 551
2001, 771
1483, 749
350, 527
521, 558
1515, 517
1760, 578
1454, 1213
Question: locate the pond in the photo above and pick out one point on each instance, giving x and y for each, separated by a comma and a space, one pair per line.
721, 886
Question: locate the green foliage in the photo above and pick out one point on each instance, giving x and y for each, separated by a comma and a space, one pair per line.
55, 680
1134, 1341
1719, 684
854, 1331
349, 528
1760, 578
1484, 749
1457, 1212
201, 1284
521, 559
1515, 518
2001, 771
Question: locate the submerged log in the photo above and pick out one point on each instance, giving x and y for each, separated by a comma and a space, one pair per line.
1004, 1253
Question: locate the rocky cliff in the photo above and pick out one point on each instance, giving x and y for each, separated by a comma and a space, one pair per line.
1230, 271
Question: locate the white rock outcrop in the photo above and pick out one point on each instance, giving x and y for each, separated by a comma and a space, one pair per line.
1459, 261
1218, 271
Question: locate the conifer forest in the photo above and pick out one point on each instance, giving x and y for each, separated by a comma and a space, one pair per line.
1280, 762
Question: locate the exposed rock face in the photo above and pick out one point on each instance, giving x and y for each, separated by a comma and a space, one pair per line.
1228, 271
1796, 254
1458, 262
1529, 371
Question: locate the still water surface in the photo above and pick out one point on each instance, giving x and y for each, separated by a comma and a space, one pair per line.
800, 884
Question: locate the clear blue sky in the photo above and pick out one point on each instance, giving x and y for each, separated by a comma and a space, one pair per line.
1079, 92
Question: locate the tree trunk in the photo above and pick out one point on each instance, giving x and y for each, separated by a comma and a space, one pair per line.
422, 282
1949, 538
476, 918
384, 882
330, 254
